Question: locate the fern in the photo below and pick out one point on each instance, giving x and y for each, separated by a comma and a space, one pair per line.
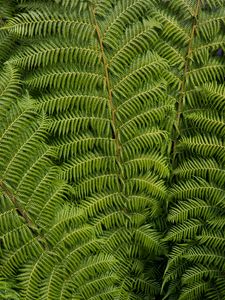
90, 92
112, 149
33, 235
189, 39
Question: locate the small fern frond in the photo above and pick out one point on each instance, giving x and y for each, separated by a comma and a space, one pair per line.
49, 53
193, 208
44, 22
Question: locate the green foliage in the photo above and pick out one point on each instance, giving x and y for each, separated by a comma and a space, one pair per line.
6, 290
112, 149
190, 39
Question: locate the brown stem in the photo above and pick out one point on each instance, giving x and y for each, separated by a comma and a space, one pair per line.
108, 85
16, 204
184, 83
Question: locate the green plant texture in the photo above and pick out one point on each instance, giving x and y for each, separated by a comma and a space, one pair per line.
112, 149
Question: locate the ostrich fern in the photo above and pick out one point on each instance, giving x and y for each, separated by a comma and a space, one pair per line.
112, 149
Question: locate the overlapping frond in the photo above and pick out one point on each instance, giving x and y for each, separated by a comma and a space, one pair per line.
124, 93
93, 72
40, 236
6, 39
191, 41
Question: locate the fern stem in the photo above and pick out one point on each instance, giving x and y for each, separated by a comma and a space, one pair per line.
181, 101
5, 189
108, 86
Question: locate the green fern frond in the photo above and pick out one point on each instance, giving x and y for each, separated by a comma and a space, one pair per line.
205, 256
9, 88
212, 95
126, 121
7, 290
185, 231
198, 188
45, 53
198, 273
69, 147
66, 78
123, 14
200, 167
150, 139
88, 164
45, 22
143, 68
209, 72
194, 291
140, 36
205, 145
210, 24
208, 122
101, 203
155, 91
149, 239
212, 239
147, 184
96, 183
171, 27
170, 53
193, 208
59, 102
74, 123
142, 163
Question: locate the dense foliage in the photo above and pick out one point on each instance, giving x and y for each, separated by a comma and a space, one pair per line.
112, 149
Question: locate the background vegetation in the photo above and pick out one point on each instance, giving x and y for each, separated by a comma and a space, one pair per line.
112, 150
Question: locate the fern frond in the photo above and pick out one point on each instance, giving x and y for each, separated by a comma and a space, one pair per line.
142, 164
191, 40
100, 203
152, 116
145, 67
66, 78
193, 208
7, 290
170, 53
185, 231
198, 273
123, 14
44, 22
208, 122
14, 259
194, 291
88, 164
74, 123
92, 70
9, 88
199, 167
212, 239
45, 53
147, 139
149, 239
205, 256
212, 95
109, 221
171, 27
69, 147
198, 189
149, 184
59, 102
96, 183
140, 36
209, 72
205, 145
154, 92
209, 24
